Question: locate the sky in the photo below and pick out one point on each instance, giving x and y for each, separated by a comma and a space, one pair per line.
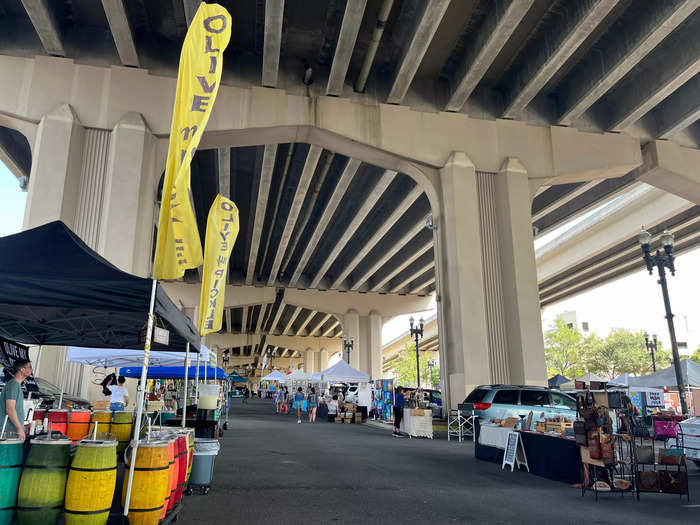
633, 302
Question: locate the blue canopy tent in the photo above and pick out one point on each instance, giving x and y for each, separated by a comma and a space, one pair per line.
557, 381
173, 372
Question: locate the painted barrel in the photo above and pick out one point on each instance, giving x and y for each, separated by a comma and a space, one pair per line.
91, 481
181, 457
78, 424
150, 484
39, 414
104, 421
122, 423
58, 421
11, 451
172, 475
43, 482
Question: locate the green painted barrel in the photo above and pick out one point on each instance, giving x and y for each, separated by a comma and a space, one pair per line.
42, 486
10, 470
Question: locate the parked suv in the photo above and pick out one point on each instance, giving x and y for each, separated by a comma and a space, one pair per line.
499, 401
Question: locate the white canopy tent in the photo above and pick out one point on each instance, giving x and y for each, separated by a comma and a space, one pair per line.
297, 375
274, 376
341, 372
118, 357
587, 378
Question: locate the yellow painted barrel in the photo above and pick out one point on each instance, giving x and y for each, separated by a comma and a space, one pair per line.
43, 483
91, 481
104, 421
122, 424
150, 484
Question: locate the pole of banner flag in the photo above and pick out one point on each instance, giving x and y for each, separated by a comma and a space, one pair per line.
206, 369
196, 379
139, 398
187, 367
63, 381
36, 368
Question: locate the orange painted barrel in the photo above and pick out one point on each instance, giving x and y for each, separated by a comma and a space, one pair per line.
78, 424
103, 419
150, 484
172, 475
181, 459
58, 421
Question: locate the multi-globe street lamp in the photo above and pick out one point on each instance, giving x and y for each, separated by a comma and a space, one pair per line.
663, 260
652, 346
225, 360
347, 347
417, 333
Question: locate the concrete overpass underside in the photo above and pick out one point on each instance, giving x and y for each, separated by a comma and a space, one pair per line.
339, 127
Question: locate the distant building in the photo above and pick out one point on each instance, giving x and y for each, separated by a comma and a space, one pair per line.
571, 320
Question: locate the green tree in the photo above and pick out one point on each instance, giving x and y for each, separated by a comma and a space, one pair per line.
696, 355
565, 350
405, 367
624, 352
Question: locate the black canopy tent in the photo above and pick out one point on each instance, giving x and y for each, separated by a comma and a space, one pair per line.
55, 290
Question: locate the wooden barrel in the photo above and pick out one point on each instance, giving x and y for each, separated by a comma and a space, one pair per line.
11, 451
39, 414
78, 424
43, 482
104, 421
122, 423
181, 456
151, 483
91, 481
58, 421
172, 475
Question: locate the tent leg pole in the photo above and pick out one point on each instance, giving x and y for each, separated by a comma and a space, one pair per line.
139, 398
63, 380
196, 382
36, 368
187, 367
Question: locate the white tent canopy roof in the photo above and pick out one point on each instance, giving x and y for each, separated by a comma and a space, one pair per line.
118, 357
297, 375
274, 376
586, 378
341, 372
667, 377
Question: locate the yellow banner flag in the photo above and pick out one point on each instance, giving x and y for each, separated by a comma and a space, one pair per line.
178, 246
222, 230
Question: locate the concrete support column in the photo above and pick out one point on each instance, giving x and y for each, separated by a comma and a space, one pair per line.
309, 365
126, 227
375, 345
54, 179
461, 285
488, 296
351, 330
322, 359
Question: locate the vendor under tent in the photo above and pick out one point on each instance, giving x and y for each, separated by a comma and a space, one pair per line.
174, 372
341, 372
234, 377
296, 376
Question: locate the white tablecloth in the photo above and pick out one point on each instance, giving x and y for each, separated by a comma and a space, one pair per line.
419, 426
494, 436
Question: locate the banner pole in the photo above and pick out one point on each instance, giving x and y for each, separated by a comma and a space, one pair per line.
140, 397
187, 366
36, 368
196, 380
63, 380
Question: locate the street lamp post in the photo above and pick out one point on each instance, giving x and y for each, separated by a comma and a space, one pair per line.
225, 360
663, 260
652, 346
417, 333
348, 346
431, 364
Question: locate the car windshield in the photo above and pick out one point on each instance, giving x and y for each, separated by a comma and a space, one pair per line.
45, 387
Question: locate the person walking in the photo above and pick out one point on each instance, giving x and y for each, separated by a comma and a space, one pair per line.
12, 398
312, 404
119, 395
246, 395
399, 404
298, 400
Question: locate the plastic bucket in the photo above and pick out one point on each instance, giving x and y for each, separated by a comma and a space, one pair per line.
205, 452
11, 451
91, 480
208, 396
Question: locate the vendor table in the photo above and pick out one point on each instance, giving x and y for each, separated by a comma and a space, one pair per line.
418, 423
552, 457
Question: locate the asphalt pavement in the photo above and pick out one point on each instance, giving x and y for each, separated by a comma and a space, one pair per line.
273, 470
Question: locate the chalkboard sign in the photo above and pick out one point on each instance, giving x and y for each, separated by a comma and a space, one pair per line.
9, 353
514, 455
511, 450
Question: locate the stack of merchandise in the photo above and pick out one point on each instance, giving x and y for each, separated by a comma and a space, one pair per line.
349, 414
